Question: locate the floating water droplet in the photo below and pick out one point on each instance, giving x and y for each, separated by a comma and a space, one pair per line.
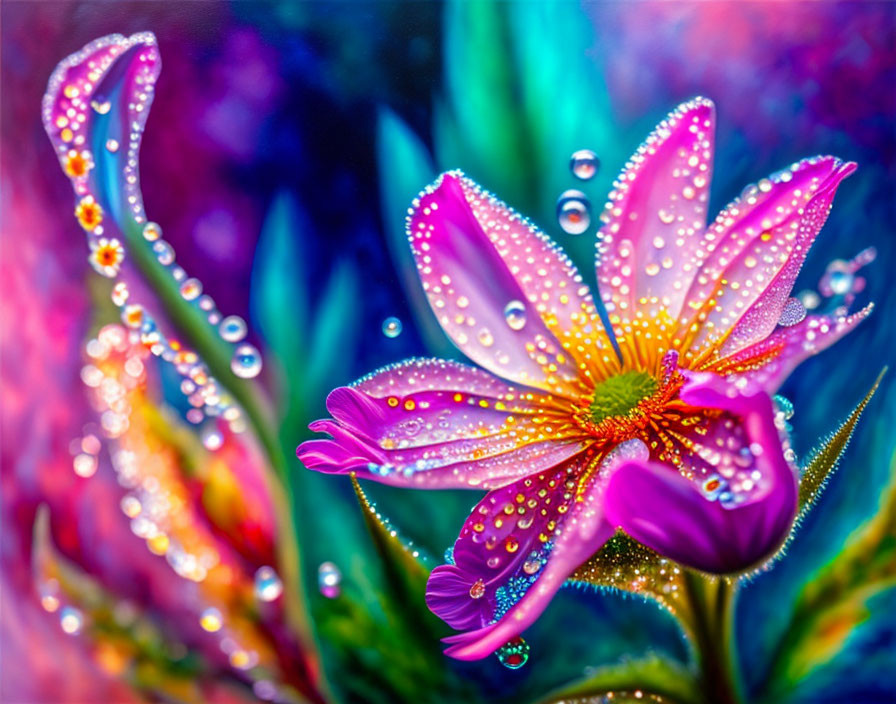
810, 299
840, 281
246, 362
211, 620
71, 620
151, 232
164, 252
232, 328
477, 589
513, 655
515, 315
792, 313
573, 212
392, 327
785, 406
328, 579
267, 584
584, 164
190, 289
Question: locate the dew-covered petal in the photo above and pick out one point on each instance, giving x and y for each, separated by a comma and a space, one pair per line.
516, 550
96, 105
739, 498
437, 424
506, 295
754, 250
770, 361
649, 244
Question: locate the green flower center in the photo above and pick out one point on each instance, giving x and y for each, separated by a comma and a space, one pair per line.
620, 394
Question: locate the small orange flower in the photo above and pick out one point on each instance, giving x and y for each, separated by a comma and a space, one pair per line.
77, 164
89, 213
106, 256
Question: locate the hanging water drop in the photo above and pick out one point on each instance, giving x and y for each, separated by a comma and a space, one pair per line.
232, 328
513, 655
584, 164
515, 315
328, 579
246, 362
190, 289
391, 327
267, 584
573, 212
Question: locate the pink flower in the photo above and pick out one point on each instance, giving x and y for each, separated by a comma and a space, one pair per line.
663, 427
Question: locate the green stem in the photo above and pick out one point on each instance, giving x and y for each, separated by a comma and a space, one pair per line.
712, 632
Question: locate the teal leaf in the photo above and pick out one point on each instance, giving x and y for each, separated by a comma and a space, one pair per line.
406, 169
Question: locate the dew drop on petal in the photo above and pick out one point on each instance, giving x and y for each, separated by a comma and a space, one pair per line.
515, 315
573, 212
246, 362
112, 145
71, 620
584, 164
328, 579
513, 655
792, 313
477, 589
391, 327
211, 620
784, 406
267, 584
232, 328
151, 232
164, 252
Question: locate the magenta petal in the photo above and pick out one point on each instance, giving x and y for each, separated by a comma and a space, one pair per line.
435, 424
653, 223
786, 348
681, 518
506, 590
504, 293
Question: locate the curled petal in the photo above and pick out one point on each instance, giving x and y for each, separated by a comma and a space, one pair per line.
436, 424
717, 522
755, 249
770, 361
516, 550
506, 295
650, 241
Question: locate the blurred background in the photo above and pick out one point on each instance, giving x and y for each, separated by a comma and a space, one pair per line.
284, 146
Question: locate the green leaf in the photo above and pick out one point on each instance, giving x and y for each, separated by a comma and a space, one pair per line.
653, 676
405, 168
826, 458
835, 601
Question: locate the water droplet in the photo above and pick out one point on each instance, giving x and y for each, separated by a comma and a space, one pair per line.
267, 584
112, 145
246, 362
792, 313
71, 620
584, 164
810, 299
190, 289
211, 620
85, 465
328, 579
392, 327
151, 232
101, 108
515, 315
573, 212
164, 252
232, 328
840, 282
533, 564
513, 655
120, 293
785, 406
211, 437
485, 338
477, 589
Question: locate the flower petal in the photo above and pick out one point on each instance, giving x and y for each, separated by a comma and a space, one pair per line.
755, 250
693, 521
516, 550
650, 241
770, 361
506, 295
441, 424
